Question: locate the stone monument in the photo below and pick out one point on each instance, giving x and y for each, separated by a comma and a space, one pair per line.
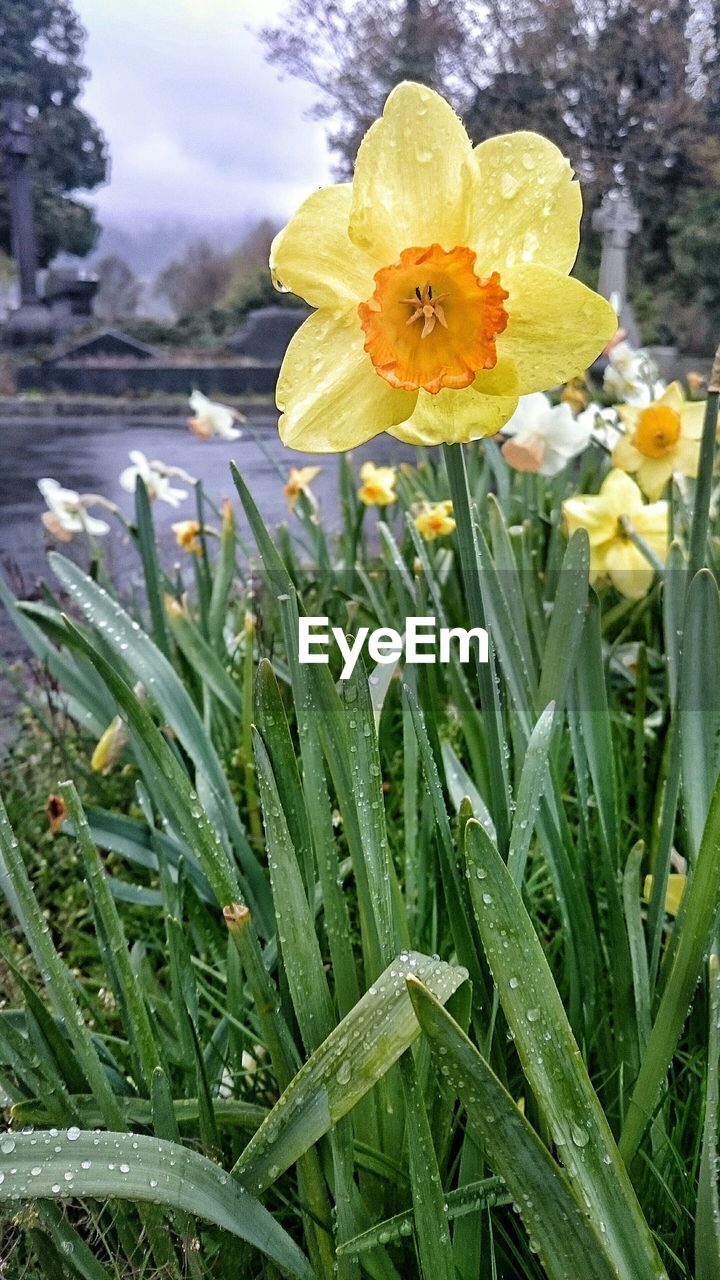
30, 324
617, 220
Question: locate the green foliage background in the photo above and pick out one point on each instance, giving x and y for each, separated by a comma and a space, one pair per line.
41, 46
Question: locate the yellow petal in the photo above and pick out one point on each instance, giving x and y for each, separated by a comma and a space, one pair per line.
687, 457
414, 177
628, 569
692, 415
435, 521
557, 326
328, 392
314, 256
378, 475
673, 396
598, 559
625, 455
651, 522
654, 473
527, 207
110, 746
621, 494
481, 409
589, 512
675, 889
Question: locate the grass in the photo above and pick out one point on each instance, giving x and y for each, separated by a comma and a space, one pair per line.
346, 978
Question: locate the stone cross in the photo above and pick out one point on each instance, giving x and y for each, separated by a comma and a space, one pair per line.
30, 323
617, 220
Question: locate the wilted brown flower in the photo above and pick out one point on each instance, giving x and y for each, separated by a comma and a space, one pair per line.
56, 810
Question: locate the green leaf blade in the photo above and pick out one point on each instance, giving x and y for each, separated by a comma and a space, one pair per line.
552, 1063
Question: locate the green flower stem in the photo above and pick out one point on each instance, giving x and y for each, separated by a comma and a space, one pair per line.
696, 925
283, 1053
645, 550
701, 509
697, 551
253, 806
286, 1063
470, 567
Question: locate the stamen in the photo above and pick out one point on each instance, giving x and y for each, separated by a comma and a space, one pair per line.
468, 309
426, 308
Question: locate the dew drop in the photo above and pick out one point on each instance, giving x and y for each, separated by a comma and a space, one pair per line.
579, 1135
344, 1073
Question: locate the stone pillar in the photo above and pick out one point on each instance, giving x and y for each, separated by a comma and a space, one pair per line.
30, 324
617, 220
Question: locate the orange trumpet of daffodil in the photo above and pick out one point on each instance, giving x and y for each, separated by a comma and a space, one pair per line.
440, 278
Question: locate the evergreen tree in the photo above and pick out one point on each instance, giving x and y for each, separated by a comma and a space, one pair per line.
41, 46
629, 89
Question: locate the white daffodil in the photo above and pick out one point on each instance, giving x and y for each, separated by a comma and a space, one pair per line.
67, 513
213, 419
543, 437
631, 375
156, 477
604, 425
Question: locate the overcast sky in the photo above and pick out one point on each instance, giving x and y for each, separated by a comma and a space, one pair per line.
199, 125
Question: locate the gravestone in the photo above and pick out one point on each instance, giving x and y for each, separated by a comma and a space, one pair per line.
617, 220
266, 333
30, 324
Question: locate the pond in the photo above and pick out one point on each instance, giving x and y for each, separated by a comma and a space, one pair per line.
88, 454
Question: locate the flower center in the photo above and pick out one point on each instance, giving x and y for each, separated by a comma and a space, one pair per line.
431, 322
657, 431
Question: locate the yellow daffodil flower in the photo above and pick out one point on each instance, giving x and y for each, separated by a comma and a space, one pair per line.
187, 536
440, 278
674, 894
607, 517
298, 482
378, 485
435, 521
661, 438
